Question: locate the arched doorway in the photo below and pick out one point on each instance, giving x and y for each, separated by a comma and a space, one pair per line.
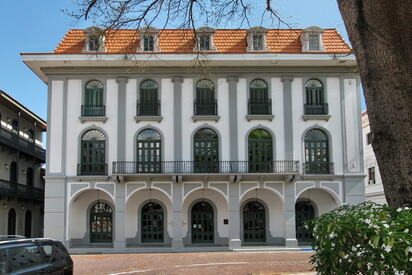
202, 223
152, 223
101, 223
206, 151
304, 212
11, 224
254, 222
93, 153
260, 151
13, 174
27, 224
149, 148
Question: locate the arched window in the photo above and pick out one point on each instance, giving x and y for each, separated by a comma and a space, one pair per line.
27, 224
205, 103
206, 151
93, 99
254, 222
149, 151
11, 223
93, 153
152, 223
315, 98
149, 104
101, 223
260, 151
13, 173
29, 178
259, 101
202, 223
316, 152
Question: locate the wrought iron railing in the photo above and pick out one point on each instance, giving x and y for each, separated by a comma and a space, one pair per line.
205, 109
12, 139
93, 110
260, 107
318, 168
209, 167
148, 108
91, 169
321, 109
10, 189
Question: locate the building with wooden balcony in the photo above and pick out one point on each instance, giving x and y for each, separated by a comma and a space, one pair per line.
147, 152
21, 174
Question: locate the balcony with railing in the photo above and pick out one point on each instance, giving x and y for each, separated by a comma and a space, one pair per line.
93, 110
205, 109
260, 107
148, 108
21, 191
318, 168
28, 146
205, 167
92, 169
320, 109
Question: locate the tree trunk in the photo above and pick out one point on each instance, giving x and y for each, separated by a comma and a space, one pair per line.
380, 32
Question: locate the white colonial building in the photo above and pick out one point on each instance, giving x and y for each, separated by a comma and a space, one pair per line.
166, 140
373, 182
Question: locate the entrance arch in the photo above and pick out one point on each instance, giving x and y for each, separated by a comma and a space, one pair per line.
152, 226
202, 223
101, 223
254, 222
11, 224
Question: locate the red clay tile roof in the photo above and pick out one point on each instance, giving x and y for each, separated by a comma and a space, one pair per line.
182, 41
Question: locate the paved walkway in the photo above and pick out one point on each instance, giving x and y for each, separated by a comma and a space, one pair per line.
213, 263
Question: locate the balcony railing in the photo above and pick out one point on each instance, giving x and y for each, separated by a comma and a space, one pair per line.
318, 168
12, 139
321, 109
20, 191
260, 108
208, 167
91, 169
205, 109
93, 110
148, 108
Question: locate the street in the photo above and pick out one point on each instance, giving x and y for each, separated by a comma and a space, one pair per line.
273, 263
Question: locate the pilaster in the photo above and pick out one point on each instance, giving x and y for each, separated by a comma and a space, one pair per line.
289, 214
177, 241
234, 214
177, 111
120, 217
287, 116
121, 118
233, 125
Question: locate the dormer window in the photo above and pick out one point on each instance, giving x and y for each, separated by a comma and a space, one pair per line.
149, 39
311, 39
256, 39
204, 38
204, 42
94, 39
148, 43
257, 42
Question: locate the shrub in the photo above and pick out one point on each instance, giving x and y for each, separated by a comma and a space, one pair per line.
364, 239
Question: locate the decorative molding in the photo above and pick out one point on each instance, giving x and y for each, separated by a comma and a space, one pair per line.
316, 117
260, 117
205, 118
84, 119
148, 118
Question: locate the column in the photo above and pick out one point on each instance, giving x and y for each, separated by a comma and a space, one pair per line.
177, 241
232, 80
289, 206
120, 217
121, 118
177, 111
234, 213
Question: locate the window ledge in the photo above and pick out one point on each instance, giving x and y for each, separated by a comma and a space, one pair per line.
316, 117
84, 119
148, 118
259, 117
205, 117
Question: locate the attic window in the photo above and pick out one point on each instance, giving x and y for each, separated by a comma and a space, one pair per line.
204, 42
94, 43
314, 42
94, 39
257, 42
148, 43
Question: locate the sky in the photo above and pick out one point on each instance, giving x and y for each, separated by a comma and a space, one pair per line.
39, 25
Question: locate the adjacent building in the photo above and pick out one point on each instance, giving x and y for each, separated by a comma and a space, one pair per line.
373, 182
21, 174
179, 139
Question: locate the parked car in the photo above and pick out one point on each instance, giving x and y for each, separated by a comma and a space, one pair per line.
19, 255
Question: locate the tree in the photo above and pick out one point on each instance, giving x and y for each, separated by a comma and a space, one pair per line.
379, 31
